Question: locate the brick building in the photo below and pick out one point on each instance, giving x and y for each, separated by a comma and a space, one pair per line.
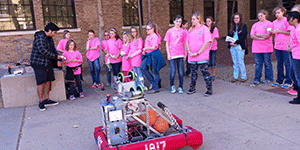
22, 18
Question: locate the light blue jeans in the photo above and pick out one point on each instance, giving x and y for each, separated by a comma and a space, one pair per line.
139, 76
237, 55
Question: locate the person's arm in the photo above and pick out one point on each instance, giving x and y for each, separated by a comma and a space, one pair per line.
168, 52
87, 45
43, 48
203, 48
210, 45
186, 50
254, 37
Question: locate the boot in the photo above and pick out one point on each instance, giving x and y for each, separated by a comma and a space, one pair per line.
296, 100
208, 92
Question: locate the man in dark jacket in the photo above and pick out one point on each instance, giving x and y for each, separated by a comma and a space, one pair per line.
43, 57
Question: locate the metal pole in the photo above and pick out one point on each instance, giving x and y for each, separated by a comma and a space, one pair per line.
140, 18
149, 10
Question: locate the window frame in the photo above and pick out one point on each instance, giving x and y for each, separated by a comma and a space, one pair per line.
142, 18
182, 11
32, 16
55, 6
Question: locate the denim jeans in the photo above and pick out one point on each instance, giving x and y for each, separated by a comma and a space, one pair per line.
282, 57
212, 58
108, 74
296, 64
153, 77
79, 84
95, 76
116, 68
260, 59
292, 74
237, 55
179, 62
139, 76
188, 68
205, 73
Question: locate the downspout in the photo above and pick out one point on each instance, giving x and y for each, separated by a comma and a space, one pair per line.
101, 24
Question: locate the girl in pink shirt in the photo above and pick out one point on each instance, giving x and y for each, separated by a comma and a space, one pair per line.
73, 62
198, 53
175, 46
262, 47
126, 63
92, 55
281, 30
135, 54
294, 18
114, 46
152, 58
213, 46
104, 49
61, 46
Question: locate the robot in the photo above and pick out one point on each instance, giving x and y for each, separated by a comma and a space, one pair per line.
131, 122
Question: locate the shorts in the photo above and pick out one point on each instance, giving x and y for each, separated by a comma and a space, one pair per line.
43, 75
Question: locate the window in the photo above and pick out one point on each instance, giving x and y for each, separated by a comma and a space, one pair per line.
176, 8
16, 15
232, 7
209, 8
253, 11
130, 12
60, 12
288, 4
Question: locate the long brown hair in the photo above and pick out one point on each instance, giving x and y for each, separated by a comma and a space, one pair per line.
232, 28
68, 43
153, 25
212, 27
137, 32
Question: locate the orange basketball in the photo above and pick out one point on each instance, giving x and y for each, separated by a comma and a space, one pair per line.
161, 125
152, 116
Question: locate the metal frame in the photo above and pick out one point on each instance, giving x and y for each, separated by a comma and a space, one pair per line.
129, 13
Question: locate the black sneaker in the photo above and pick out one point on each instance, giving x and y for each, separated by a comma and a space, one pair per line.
191, 91
48, 102
208, 93
295, 101
42, 106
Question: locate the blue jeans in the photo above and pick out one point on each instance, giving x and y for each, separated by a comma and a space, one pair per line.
237, 55
296, 64
179, 62
292, 74
260, 59
95, 76
282, 57
139, 76
153, 77
212, 58
108, 74
116, 68
79, 84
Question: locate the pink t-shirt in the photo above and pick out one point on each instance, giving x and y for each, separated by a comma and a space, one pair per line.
73, 55
151, 40
196, 38
94, 53
103, 47
136, 46
262, 46
281, 40
176, 39
295, 42
62, 44
126, 65
114, 46
215, 35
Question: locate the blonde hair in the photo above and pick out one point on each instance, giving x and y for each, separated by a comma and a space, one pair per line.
281, 8
128, 37
153, 25
198, 16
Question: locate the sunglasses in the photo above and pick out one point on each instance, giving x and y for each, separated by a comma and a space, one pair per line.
106, 35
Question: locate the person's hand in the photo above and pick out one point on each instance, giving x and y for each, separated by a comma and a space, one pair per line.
233, 44
58, 57
288, 49
169, 57
275, 31
127, 58
184, 58
72, 60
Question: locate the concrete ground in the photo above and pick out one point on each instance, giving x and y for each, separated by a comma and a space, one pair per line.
234, 117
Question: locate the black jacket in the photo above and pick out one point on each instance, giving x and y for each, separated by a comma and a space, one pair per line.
242, 33
43, 50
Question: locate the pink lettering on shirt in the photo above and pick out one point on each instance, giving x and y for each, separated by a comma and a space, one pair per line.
196, 39
114, 46
93, 54
262, 46
136, 47
176, 39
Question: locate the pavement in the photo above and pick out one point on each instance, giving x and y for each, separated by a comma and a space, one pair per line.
235, 117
